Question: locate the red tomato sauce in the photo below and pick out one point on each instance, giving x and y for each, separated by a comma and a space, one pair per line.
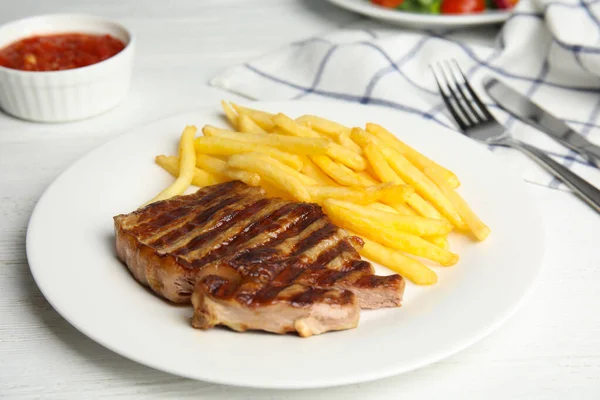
59, 52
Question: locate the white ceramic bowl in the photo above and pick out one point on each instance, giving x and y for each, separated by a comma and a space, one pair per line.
58, 96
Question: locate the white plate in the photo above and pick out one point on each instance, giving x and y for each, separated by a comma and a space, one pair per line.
70, 247
400, 17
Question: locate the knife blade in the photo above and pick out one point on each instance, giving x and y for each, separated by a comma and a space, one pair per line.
527, 111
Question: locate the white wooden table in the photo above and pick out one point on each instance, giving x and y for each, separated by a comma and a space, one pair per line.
549, 350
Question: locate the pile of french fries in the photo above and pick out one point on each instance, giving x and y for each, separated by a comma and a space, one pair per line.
401, 203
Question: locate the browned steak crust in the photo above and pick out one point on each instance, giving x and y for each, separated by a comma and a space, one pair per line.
262, 249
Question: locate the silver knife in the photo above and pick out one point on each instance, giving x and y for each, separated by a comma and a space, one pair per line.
529, 112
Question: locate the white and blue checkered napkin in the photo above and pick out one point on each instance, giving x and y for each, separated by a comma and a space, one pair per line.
549, 50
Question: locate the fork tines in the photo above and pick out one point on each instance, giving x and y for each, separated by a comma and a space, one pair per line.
460, 98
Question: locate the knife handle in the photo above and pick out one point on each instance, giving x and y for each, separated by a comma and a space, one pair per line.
580, 186
592, 153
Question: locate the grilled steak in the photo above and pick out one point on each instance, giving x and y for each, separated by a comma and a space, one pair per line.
252, 262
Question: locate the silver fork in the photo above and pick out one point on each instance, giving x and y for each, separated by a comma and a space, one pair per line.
476, 122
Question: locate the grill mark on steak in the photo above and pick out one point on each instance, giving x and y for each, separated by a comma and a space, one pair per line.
325, 232
223, 216
370, 281
312, 295
326, 257
252, 258
159, 219
216, 243
264, 224
274, 248
177, 240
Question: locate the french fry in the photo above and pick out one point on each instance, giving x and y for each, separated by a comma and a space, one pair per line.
274, 191
380, 165
230, 114
345, 141
339, 173
387, 235
187, 166
409, 268
477, 227
289, 126
347, 157
439, 240
382, 207
290, 144
405, 223
335, 151
273, 171
262, 118
220, 167
322, 125
304, 179
355, 195
403, 209
200, 178
311, 170
247, 125
423, 207
226, 147
412, 155
395, 193
424, 186
366, 179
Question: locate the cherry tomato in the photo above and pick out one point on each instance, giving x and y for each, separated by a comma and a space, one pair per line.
462, 6
506, 4
388, 3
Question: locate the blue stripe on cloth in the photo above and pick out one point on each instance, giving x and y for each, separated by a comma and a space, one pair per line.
395, 66
577, 55
590, 13
319, 73
507, 74
578, 48
349, 97
585, 131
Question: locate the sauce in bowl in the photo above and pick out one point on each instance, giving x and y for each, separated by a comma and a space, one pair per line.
59, 52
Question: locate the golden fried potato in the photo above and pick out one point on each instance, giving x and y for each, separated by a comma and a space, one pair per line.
221, 168
406, 223
477, 227
311, 170
440, 241
230, 114
201, 178
187, 166
227, 147
262, 118
290, 144
338, 172
375, 154
355, 195
409, 268
345, 141
386, 235
382, 207
412, 155
404, 209
247, 125
273, 171
424, 186
380, 164
335, 151
323, 126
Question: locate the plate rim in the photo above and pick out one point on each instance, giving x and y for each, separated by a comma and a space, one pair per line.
348, 379
399, 16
